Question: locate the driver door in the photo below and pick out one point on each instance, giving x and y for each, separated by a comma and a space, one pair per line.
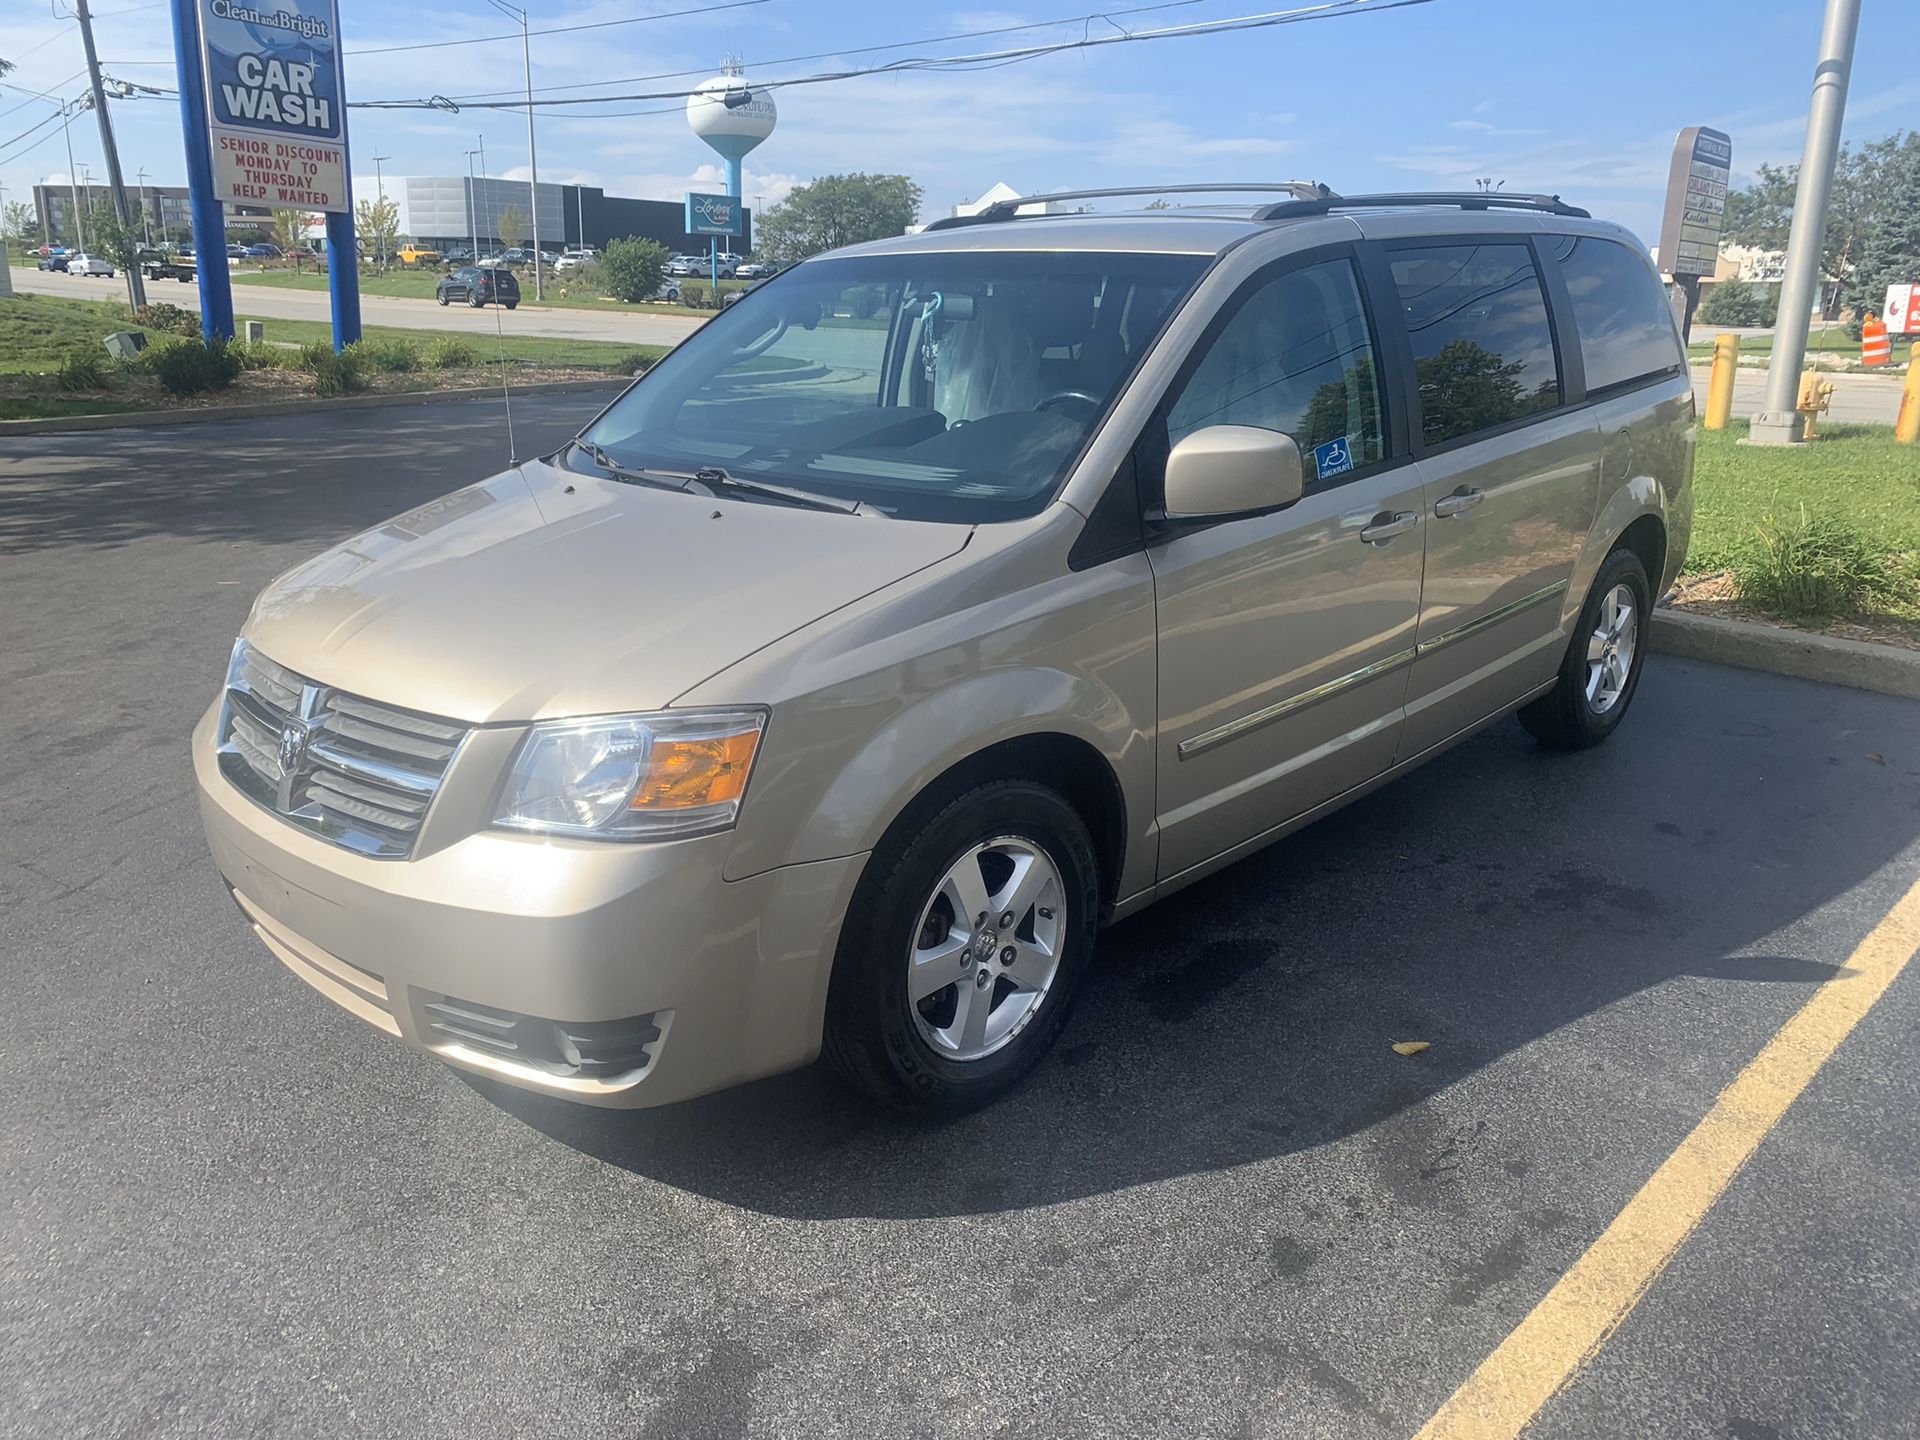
1284, 637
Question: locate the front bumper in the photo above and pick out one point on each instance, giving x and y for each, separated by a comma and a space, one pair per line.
588, 935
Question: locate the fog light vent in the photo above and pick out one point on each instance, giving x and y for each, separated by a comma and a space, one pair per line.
553, 1047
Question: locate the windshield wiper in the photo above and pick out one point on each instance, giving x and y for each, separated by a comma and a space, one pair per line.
659, 479
717, 480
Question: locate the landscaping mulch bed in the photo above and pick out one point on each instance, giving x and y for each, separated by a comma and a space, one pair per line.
1715, 595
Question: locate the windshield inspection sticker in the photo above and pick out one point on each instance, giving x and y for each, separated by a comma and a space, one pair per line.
1332, 458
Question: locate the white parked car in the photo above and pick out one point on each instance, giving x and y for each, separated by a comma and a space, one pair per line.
89, 265
574, 259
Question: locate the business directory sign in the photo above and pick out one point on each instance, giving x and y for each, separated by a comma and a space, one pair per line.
276, 113
1696, 210
712, 214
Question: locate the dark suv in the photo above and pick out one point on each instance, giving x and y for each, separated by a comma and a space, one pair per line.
477, 285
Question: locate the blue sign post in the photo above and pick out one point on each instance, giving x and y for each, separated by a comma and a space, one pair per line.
264, 106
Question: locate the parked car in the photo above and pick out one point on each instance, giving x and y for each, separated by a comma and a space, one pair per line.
479, 285
56, 258
262, 252
686, 265
906, 695
459, 256
80, 263
236, 252
411, 254
573, 259
667, 293
753, 270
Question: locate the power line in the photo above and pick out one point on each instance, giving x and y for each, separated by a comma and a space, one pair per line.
559, 29
1107, 15
991, 60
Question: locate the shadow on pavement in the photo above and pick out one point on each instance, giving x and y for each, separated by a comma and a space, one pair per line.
288, 479
1491, 899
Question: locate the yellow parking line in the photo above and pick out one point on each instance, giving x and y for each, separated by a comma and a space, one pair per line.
1568, 1327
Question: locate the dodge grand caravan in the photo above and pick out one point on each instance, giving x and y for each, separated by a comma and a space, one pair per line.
951, 597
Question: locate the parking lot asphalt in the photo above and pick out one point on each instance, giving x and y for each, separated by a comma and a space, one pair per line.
1225, 1206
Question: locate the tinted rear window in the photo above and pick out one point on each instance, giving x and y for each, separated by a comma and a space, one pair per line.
1626, 328
1482, 344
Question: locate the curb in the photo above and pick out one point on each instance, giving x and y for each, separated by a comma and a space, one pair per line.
1858, 664
137, 419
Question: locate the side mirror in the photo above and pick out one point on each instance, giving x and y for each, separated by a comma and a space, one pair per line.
1231, 470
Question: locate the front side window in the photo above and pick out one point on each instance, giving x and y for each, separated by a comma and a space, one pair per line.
1626, 328
1296, 357
952, 386
1482, 344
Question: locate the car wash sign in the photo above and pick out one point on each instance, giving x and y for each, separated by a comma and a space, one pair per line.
275, 112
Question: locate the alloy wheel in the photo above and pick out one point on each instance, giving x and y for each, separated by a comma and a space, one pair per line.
1610, 649
987, 948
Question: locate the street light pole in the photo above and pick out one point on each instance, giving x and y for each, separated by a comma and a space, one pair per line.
533, 156
1778, 422
73, 185
380, 185
146, 220
473, 211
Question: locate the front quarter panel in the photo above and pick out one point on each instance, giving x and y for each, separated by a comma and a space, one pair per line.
872, 704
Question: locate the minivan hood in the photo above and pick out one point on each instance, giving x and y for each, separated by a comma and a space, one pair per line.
544, 592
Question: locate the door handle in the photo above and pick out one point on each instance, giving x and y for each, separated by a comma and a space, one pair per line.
1388, 524
1458, 503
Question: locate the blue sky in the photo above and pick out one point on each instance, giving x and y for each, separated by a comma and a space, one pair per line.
1578, 96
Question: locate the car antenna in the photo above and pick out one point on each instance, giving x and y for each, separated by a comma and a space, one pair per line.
506, 382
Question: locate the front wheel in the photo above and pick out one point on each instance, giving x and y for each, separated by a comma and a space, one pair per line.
1602, 667
476, 299
441, 296
963, 947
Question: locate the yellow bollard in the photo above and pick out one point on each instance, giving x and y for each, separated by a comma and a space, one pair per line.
1907, 428
1726, 364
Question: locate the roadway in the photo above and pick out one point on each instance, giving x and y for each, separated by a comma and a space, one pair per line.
1224, 1207
267, 302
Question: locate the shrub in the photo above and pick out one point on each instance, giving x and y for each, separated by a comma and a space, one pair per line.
168, 320
316, 353
450, 352
265, 357
339, 373
387, 355
1812, 568
696, 293
1736, 302
637, 362
81, 370
632, 269
187, 367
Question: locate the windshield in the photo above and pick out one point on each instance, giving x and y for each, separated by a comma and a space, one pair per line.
930, 386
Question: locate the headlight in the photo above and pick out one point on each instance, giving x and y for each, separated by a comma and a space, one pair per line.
633, 777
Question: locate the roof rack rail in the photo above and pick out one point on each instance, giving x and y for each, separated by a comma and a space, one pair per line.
1464, 199
1303, 191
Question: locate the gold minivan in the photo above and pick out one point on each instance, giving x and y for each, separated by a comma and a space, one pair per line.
947, 599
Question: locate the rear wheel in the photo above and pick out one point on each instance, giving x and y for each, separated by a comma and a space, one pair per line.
476, 299
963, 947
1602, 668
441, 296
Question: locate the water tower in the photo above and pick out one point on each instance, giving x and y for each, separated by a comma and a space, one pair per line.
732, 117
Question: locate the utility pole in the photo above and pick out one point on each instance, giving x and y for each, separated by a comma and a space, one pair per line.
1778, 422
136, 289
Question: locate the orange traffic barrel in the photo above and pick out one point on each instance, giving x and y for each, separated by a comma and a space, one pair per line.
1875, 347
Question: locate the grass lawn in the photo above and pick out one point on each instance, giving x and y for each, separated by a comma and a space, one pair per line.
1825, 342
37, 331
419, 285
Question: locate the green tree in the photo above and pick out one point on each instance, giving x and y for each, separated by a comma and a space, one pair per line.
1760, 213
18, 222
836, 210
377, 223
290, 230
514, 227
632, 269
1736, 302
1890, 246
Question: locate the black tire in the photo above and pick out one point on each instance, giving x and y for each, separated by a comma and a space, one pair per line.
441, 296
476, 299
513, 304
871, 1038
1564, 718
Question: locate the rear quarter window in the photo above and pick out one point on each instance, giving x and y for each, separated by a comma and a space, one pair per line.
1626, 328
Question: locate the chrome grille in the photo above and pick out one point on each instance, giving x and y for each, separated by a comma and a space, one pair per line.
350, 770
